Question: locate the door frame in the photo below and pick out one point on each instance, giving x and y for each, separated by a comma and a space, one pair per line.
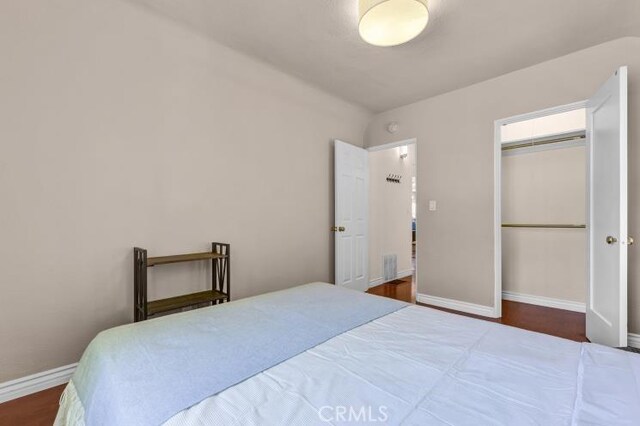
497, 193
390, 145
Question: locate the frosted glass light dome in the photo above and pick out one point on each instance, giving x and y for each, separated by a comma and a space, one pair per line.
392, 22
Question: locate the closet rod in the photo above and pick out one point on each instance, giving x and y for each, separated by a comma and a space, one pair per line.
539, 225
545, 141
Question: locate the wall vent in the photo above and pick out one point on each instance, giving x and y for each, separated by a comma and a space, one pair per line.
390, 267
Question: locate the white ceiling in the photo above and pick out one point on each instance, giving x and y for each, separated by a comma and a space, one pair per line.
467, 41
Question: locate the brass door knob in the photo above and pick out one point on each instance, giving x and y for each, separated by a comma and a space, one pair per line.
630, 241
611, 240
341, 229
334, 229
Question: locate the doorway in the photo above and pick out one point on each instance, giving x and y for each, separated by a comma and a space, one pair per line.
393, 220
561, 210
543, 206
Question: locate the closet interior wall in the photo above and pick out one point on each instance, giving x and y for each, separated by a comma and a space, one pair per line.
544, 242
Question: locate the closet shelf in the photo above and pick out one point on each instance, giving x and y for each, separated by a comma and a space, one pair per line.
540, 225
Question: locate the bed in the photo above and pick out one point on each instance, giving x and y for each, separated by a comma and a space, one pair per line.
319, 354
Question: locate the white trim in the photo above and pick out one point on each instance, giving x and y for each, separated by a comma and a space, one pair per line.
36, 382
633, 340
404, 274
624, 202
497, 191
376, 282
567, 305
399, 275
457, 305
497, 220
544, 112
390, 145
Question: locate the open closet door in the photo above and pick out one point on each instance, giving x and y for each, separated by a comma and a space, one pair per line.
607, 209
351, 216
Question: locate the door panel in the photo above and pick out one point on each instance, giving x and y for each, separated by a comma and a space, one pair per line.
351, 213
608, 240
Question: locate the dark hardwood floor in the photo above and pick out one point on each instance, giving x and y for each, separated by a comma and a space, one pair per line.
40, 408
556, 322
403, 290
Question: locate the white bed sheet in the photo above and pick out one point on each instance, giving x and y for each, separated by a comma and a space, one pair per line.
422, 366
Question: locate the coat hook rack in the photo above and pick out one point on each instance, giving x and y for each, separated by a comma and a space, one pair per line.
391, 178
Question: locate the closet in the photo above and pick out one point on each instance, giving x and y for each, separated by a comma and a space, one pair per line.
544, 187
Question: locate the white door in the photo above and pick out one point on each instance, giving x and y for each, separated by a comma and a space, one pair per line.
351, 216
608, 240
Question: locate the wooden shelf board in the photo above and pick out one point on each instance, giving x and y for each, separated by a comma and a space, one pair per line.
173, 303
163, 260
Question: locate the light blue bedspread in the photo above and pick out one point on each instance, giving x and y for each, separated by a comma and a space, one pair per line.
144, 373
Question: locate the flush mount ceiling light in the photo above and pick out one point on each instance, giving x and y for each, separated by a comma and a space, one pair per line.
392, 22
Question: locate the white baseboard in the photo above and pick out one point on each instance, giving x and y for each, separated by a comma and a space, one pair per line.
402, 274
633, 340
376, 282
457, 305
549, 302
36, 382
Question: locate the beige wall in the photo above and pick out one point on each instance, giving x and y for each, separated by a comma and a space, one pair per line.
455, 163
545, 187
119, 128
389, 211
